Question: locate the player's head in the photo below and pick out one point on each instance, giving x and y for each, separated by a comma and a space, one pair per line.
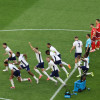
85, 55
4, 45
48, 45
91, 25
5, 63
97, 21
17, 54
36, 48
47, 52
48, 59
76, 38
88, 36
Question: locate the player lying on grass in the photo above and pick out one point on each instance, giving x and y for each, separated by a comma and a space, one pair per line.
24, 65
54, 70
56, 60
54, 50
85, 67
11, 55
40, 62
77, 45
15, 73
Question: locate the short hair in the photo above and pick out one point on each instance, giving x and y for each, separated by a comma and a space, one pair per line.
76, 36
48, 44
98, 20
5, 62
47, 51
5, 44
18, 53
36, 48
92, 24
88, 35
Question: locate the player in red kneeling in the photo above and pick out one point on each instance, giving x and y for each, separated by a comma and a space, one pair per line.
93, 37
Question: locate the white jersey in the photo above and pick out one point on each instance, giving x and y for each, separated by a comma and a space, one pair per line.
12, 67
22, 60
8, 51
39, 57
52, 66
78, 45
86, 63
54, 56
54, 50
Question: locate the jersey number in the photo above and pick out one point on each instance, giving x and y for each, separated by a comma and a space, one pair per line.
79, 45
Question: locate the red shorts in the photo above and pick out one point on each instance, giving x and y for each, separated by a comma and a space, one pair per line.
98, 34
93, 39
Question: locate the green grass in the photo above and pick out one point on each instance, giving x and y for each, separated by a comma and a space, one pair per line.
44, 14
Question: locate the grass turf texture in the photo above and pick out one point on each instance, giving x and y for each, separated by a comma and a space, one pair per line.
60, 14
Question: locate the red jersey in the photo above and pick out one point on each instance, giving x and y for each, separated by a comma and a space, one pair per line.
93, 33
98, 27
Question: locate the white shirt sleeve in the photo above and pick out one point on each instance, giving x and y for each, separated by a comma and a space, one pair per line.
74, 44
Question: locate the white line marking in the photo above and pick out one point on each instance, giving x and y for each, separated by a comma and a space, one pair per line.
5, 99
45, 30
58, 90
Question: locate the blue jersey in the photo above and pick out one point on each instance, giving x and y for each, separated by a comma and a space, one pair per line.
88, 42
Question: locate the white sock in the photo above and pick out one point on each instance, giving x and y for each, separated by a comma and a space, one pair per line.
88, 73
6, 67
60, 80
45, 73
79, 63
35, 77
12, 82
79, 71
64, 63
65, 70
24, 79
76, 65
38, 71
53, 79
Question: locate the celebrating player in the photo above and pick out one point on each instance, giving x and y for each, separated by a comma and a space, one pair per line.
56, 60
40, 62
93, 37
24, 64
54, 70
54, 50
78, 46
15, 73
11, 55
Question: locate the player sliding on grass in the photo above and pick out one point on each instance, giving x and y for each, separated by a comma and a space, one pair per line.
57, 60
54, 70
40, 62
11, 55
54, 50
24, 64
85, 68
15, 73
77, 45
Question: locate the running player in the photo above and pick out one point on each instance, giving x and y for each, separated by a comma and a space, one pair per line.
40, 62
24, 64
54, 70
54, 50
57, 60
93, 37
85, 68
98, 33
15, 73
78, 52
11, 55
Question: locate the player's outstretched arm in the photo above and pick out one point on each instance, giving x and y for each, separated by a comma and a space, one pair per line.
25, 56
72, 49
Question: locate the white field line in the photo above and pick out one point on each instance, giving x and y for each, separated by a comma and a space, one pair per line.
4, 99
58, 90
45, 30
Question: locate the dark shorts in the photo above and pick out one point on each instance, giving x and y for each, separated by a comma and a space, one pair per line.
11, 58
97, 35
58, 62
27, 67
54, 73
40, 65
84, 69
17, 73
87, 53
59, 55
94, 39
78, 54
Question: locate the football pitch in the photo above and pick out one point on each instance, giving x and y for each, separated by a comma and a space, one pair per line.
40, 22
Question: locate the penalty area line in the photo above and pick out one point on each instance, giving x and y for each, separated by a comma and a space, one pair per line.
45, 30
58, 90
4, 99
